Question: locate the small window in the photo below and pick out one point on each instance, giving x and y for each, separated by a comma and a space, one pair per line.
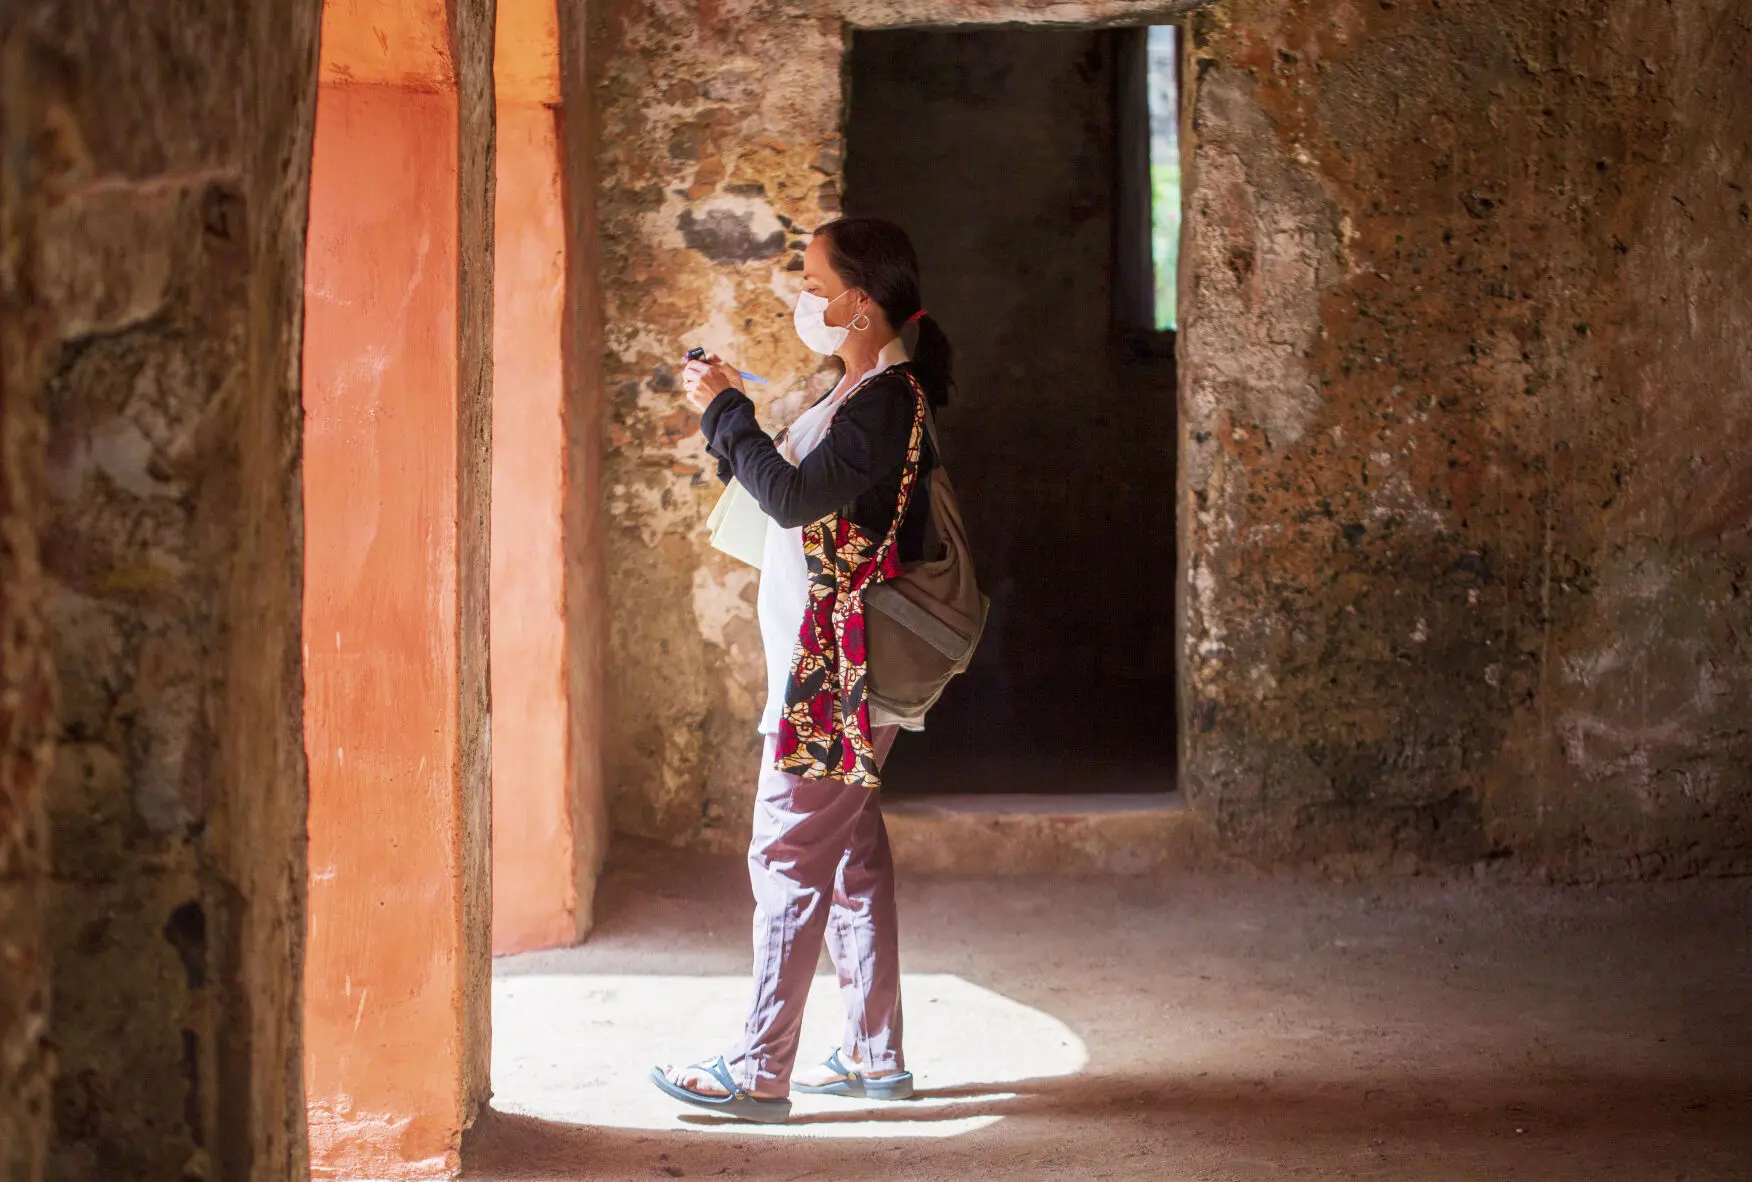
1147, 219
1163, 80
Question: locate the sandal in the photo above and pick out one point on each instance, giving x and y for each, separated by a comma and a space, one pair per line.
898, 1086
738, 1103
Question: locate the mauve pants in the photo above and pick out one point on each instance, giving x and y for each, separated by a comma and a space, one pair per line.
820, 866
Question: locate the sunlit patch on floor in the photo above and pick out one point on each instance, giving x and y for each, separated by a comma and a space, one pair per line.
578, 1049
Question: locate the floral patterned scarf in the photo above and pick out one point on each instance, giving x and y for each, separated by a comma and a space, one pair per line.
824, 731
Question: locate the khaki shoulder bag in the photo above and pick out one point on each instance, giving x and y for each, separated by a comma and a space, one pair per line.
921, 628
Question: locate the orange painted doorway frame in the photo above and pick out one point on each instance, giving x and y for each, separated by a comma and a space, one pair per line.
395, 1028
397, 1014
549, 817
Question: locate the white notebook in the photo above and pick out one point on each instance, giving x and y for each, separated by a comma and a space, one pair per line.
738, 526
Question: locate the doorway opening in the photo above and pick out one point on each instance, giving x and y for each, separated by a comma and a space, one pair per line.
1037, 173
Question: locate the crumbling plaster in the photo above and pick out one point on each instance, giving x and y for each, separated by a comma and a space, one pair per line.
1463, 530
163, 207
1465, 351
27, 684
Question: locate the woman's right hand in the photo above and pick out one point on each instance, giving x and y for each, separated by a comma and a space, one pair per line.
705, 379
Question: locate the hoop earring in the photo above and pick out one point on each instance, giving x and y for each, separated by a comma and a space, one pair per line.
856, 327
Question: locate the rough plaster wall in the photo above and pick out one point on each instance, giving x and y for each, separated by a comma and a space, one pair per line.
27, 688
257, 851
168, 246
1467, 379
996, 151
471, 28
721, 145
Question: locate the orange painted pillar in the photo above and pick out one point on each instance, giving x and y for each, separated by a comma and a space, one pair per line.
383, 1007
536, 813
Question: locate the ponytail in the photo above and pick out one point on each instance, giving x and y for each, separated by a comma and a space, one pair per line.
933, 359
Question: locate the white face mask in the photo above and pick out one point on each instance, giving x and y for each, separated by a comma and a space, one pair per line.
810, 319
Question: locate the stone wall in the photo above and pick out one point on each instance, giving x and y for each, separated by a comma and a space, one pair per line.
1463, 533
1466, 357
27, 689
168, 251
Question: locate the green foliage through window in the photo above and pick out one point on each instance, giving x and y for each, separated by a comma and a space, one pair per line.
1164, 90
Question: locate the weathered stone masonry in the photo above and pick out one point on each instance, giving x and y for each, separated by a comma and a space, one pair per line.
1464, 532
1465, 361
165, 192
27, 707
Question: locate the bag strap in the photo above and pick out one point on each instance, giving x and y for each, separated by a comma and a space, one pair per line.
909, 472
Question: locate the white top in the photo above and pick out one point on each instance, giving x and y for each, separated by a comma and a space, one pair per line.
784, 573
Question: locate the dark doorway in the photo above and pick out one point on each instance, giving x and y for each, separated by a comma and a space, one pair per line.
1019, 161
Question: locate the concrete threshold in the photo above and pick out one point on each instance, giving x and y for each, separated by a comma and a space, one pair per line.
1115, 833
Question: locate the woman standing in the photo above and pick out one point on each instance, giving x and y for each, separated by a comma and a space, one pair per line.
845, 491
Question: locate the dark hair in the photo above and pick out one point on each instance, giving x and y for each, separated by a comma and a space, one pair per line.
875, 255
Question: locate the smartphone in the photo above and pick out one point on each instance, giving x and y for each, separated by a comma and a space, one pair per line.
698, 354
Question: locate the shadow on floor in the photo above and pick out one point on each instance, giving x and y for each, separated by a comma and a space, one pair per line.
1161, 1126
1236, 1028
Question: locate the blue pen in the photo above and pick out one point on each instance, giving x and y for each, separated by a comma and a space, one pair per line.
698, 354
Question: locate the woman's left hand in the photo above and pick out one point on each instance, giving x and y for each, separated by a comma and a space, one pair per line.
705, 380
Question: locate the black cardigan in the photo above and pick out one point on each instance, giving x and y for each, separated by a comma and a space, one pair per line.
855, 471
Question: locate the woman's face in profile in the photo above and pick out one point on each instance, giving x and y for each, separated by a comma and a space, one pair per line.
820, 279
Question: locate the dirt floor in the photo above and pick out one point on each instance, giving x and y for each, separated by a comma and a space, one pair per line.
1167, 1027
